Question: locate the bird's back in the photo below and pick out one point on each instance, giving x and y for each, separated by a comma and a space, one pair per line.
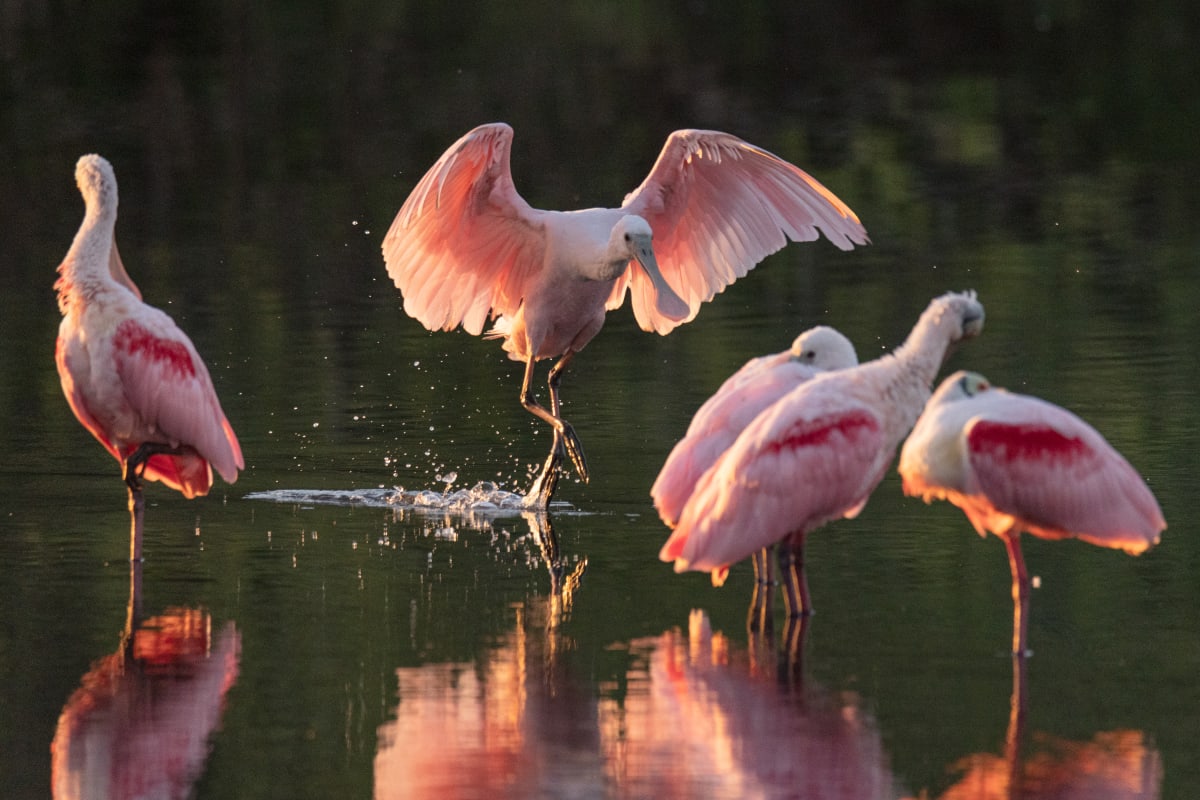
1058, 475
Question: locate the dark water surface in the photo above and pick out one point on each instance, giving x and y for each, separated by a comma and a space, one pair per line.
1042, 155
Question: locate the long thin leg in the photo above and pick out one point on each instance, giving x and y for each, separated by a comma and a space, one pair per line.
547, 542
137, 508
1016, 724
133, 609
543, 486
760, 617
564, 435
795, 584
791, 662
569, 439
1020, 592
135, 465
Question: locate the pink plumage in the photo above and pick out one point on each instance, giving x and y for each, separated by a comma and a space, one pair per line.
817, 453
742, 397
1016, 463
465, 247
128, 372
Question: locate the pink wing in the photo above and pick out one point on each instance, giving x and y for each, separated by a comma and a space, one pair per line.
167, 384
465, 244
750, 390
718, 206
798, 466
750, 372
78, 403
1058, 475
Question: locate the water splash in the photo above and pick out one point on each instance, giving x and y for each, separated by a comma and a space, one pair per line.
484, 498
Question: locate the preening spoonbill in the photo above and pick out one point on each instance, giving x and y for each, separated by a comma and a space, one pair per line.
465, 247
815, 455
1013, 462
742, 397
130, 375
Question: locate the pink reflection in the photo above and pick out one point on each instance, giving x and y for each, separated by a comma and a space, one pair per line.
515, 725
139, 724
699, 721
703, 721
1112, 765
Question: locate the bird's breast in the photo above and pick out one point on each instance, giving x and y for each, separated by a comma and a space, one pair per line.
564, 315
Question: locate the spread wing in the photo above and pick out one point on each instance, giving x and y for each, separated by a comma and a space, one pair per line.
464, 244
719, 205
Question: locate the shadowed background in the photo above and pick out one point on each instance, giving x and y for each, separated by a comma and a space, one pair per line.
1041, 153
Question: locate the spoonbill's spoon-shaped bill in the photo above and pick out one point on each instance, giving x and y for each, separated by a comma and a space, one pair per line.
466, 247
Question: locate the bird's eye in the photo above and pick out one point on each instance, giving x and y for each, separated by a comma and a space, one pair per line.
627, 237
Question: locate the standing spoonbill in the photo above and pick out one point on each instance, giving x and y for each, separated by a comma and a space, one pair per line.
742, 397
1013, 462
815, 455
465, 247
133, 379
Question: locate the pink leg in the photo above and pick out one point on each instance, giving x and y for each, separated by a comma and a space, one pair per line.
137, 508
1016, 725
795, 584
759, 619
1020, 591
564, 435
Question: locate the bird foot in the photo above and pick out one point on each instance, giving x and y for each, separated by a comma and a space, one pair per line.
575, 451
540, 492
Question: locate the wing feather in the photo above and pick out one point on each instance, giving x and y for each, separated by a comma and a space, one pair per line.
718, 206
805, 461
465, 244
167, 384
1050, 469
718, 422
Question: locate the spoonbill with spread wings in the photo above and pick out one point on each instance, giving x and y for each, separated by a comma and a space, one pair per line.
466, 247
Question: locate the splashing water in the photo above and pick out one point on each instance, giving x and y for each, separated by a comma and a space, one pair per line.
484, 498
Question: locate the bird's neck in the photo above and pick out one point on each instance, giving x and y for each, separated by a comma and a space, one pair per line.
85, 269
913, 366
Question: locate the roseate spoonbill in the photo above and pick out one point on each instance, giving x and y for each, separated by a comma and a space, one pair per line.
759, 383
465, 247
133, 379
1013, 462
815, 455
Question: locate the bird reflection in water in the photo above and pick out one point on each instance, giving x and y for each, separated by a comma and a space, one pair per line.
139, 725
701, 719
516, 723
697, 720
1112, 765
